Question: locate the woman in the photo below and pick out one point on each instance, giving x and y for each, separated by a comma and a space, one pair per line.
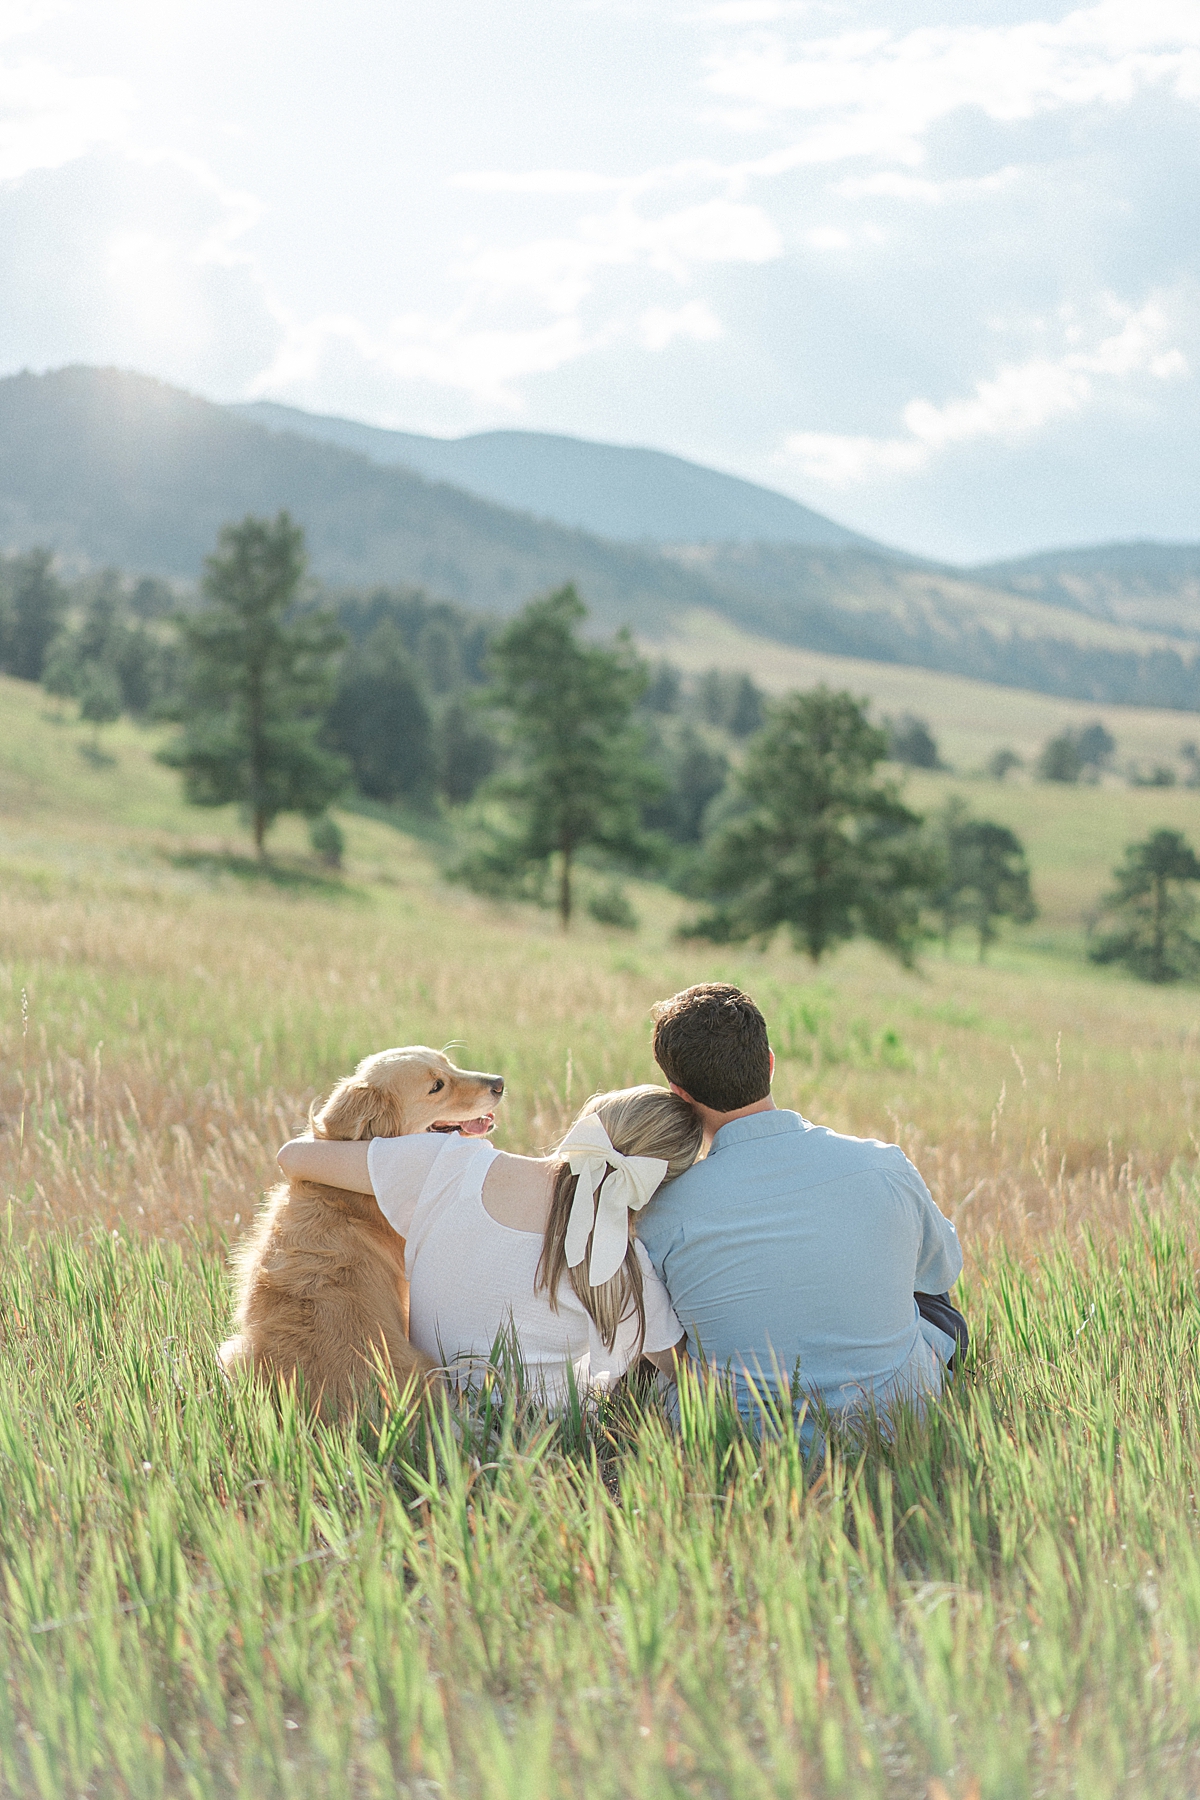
542, 1248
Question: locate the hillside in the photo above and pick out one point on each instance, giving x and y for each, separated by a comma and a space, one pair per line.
627, 493
108, 468
1153, 586
971, 719
863, 604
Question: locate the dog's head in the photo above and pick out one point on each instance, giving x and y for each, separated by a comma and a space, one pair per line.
397, 1092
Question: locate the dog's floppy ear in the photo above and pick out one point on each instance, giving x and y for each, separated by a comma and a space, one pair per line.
356, 1110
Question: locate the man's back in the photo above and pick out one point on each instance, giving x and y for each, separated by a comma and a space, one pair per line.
790, 1244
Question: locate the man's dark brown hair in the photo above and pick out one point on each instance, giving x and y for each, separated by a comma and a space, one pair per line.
711, 1041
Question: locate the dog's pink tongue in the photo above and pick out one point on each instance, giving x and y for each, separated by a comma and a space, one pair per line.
476, 1127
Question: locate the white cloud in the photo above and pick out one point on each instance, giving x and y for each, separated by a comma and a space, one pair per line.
754, 12
1016, 402
481, 362
896, 184
537, 181
716, 231
659, 326
828, 237
875, 93
451, 304
561, 272
48, 118
19, 17
484, 363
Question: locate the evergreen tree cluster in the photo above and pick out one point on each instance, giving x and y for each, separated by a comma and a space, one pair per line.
404, 711
98, 639
582, 758
1076, 755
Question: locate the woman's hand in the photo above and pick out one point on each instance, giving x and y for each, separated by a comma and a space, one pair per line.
329, 1161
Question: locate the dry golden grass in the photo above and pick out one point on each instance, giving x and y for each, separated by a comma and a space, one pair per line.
174, 1039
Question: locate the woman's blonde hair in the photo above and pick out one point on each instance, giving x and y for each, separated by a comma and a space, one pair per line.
640, 1121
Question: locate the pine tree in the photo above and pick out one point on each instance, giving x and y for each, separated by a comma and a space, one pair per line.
1154, 902
259, 680
380, 719
581, 775
99, 700
822, 848
984, 875
36, 614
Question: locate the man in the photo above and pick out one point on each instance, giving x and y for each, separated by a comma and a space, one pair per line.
789, 1247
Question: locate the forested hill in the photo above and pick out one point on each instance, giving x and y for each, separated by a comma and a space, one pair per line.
106, 468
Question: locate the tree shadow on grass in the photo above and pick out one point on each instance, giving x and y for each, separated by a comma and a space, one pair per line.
429, 825
289, 876
99, 758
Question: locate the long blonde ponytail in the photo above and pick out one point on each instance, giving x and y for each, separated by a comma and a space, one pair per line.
640, 1121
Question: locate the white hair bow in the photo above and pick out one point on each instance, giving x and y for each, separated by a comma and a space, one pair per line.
602, 1212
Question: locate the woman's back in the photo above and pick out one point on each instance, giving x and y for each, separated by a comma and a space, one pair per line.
474, 1279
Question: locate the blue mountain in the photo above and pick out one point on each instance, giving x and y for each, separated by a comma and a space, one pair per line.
610, 490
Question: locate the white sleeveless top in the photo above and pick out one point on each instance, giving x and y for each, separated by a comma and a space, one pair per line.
472, 1279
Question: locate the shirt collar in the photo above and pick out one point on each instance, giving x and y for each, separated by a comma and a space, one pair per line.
759, 1125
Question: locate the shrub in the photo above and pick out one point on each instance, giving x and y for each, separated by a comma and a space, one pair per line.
1002, 762
328, 840
611, 906
910, 741
1060, 759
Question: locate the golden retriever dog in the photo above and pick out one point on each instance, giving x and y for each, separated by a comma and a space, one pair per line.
322, 1294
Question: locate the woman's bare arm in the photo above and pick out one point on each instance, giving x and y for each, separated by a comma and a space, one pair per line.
327, 1160
665, 1360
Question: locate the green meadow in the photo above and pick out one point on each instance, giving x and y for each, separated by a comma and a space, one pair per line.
206, 1595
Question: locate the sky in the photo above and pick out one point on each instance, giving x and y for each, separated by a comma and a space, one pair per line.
930, 268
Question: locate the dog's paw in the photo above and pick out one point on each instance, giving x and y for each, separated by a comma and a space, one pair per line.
231, 1355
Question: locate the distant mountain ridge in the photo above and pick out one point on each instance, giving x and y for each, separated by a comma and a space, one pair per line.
627, 493
110, 468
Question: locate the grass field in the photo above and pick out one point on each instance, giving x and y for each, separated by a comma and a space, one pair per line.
204, 1597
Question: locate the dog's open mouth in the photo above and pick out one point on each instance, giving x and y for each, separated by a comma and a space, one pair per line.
469, 1127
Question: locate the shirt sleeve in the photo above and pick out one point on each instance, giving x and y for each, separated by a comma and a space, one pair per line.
658, 1233
939, 1254
662, 1325
399, 1168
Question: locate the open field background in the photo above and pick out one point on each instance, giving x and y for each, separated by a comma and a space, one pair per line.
206, 1598
971, 719
183, 1007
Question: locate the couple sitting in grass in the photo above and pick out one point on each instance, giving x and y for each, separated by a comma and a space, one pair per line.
786, 1254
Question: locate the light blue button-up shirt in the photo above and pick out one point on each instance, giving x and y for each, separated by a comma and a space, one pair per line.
791, 1247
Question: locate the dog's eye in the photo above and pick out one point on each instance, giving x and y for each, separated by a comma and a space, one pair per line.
437, 1087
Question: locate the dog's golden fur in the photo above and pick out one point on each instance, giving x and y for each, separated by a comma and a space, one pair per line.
322, 1293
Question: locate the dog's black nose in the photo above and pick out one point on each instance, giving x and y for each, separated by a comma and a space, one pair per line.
498, 1086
